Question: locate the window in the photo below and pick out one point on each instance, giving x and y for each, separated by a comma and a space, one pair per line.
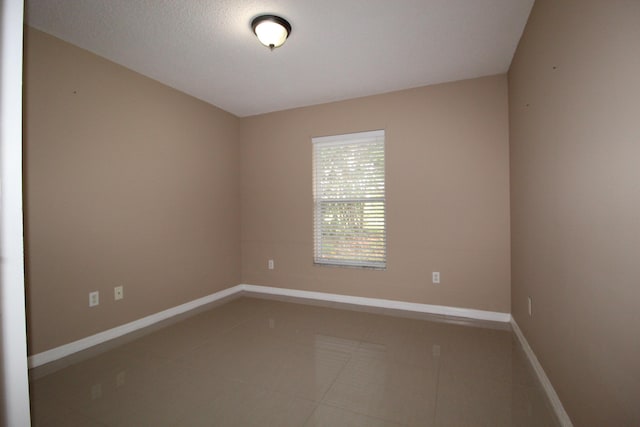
349, 200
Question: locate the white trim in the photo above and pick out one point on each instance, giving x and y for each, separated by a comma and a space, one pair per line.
561, 414
14, 379
383, 303
82, 344
350, 138
99, 338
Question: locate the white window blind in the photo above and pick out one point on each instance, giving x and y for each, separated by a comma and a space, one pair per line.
349, 199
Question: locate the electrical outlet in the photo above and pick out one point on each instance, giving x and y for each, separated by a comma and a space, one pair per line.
435, 349
120, 378
435, 277
118, 293
529, 305
96, 391
94, 298
271, 264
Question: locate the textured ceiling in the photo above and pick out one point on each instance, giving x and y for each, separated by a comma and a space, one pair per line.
338, 49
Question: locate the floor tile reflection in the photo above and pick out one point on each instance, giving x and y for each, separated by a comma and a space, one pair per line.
265, 362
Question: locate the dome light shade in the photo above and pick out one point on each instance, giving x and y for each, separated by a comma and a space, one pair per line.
271, 30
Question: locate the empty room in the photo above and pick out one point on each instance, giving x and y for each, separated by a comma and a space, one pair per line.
299, 213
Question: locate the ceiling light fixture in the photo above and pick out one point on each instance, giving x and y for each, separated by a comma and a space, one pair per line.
271, 30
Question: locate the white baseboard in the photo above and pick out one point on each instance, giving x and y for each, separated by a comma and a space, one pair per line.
382, 303
561, 414
99, 338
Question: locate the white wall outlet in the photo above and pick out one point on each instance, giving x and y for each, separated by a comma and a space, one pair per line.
94, 298
118, 293
529, 305
271, 264
435, 277
435, 349
120, 378
96, 391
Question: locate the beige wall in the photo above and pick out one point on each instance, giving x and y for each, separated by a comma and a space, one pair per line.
128, 182
575, 191
131, 183
447, 195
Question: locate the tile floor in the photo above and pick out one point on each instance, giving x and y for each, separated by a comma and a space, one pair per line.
263, 362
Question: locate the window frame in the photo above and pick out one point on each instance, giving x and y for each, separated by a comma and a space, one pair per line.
373, 201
